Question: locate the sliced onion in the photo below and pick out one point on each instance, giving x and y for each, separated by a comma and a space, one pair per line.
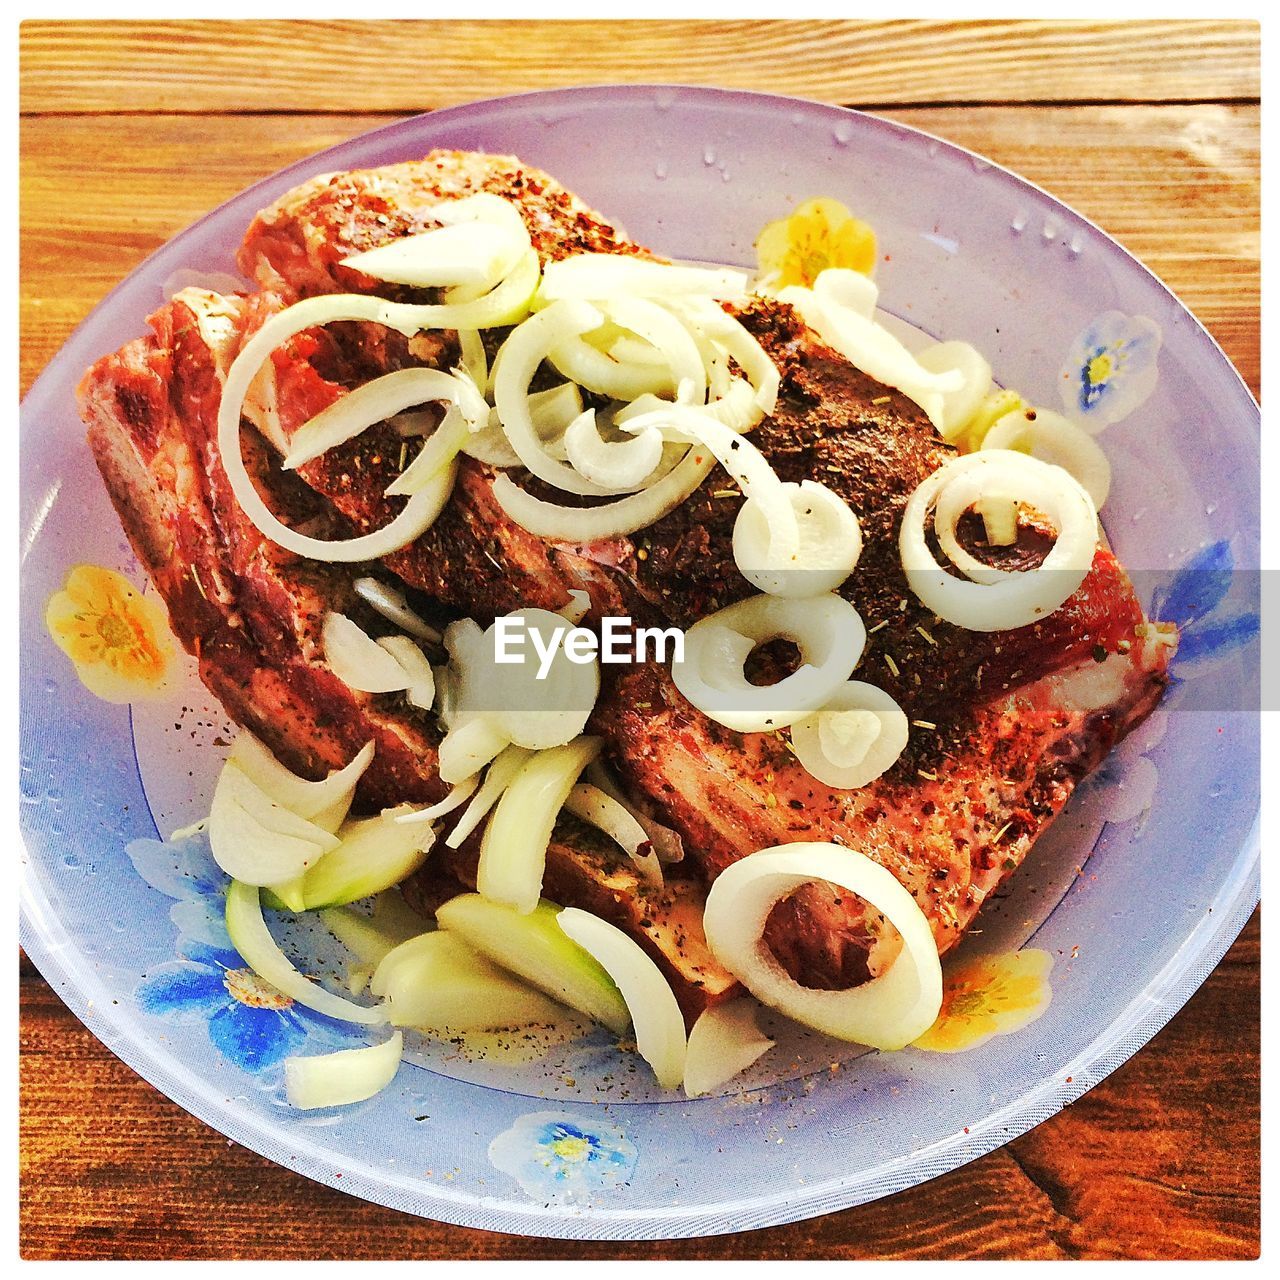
439, 983
325, 802
596, 276
958, 406
347, 1076
252, 939
580, 525
856, 737
658, 1022
470, 254
829, 543
599, 809
376, 401
535, 948
744, 463
374, 854
666, 842
370, 938
733, 337
874, 350
582, 362
522, 353
888, 1012
725, 1041
498, 778
513, 853
619, 466
458, 796
552, 411
392, 605
1056, 440
995, 599
533, 702
252, 838
357, 659
474, 360
850, 289
420, 680
827, 630
468, 746
439, 451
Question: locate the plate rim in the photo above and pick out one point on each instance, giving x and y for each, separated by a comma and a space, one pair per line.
1133, 1028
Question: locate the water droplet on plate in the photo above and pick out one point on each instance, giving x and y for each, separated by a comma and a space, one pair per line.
979, 164
1077, 245
660, 172
1019, 222
50, 685
932, 147
664, 99
1211, 508
724, 175
708, 157
1049, 231
841, 134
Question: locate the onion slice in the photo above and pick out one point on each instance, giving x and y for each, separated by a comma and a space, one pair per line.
725, 1041
392, 605
596, 276
357, 659
1056, 440
498, 778
611, 519
888, 1012
374, 854
829, 542
513, 853
535, 948
601, 810
521, 355
872, 348
958, 406
341, 1078
827, 629
458, 796
325, 802
858, 735
252, 939
378, 400
658, 1022
439, 983
995, 599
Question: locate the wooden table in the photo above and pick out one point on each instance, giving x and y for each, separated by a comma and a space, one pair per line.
132, 130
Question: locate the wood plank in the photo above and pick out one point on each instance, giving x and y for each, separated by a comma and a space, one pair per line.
1178, 185
1160, 1160
202, 66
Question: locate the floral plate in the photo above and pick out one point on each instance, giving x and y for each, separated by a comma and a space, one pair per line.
564, 1136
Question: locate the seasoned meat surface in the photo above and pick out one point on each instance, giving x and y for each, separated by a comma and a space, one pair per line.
1005, 723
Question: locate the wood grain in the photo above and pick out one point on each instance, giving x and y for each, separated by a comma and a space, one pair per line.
133, 130
1177, 185
1154, 1162
409, 66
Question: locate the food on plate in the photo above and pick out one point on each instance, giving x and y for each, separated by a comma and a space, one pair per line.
459, 406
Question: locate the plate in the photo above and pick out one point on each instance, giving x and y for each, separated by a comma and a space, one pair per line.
573, 1143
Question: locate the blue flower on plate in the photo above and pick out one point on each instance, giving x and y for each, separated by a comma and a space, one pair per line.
250, 1022
1193, 599
1111, 368
560, 1158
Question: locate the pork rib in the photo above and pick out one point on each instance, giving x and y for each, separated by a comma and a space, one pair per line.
1007, 723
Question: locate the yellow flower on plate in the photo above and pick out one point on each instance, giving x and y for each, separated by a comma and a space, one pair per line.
991, 996
117, 639
818, 234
